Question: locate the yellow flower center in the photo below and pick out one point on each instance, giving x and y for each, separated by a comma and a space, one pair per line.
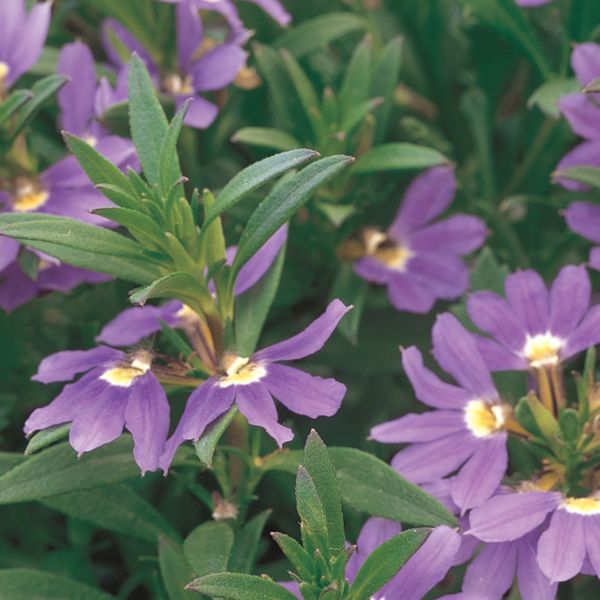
543, 349
177, 85
28, 196
483, 419
240, 371
124, 376
383, 249
582, 506
4, 71
247, 78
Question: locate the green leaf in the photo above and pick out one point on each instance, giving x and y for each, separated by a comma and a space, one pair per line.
279, 206
488, 273
208, 547
43, 90
47, 437
370, 485
244, 553
212, 247
18, 584
546, 97
397, 157
296, 554
352, 291
311, 511
357, 80
169, 171
266, 137
356, 114
9, 460
175, 570
116, 508
13, 103
525, 417
81, 245
318, 464
253, 177
57, 470
239, 586
147, 119
318, 32
384, 562
116, 119
253, 306
206, 445
141, 226
587, 175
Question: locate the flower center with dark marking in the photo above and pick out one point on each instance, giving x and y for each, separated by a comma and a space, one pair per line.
125, 375
176, 85
385, 250
28, 196
238, 370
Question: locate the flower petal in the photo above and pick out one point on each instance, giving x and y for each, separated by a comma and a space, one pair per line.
409, 293
528, 297
492, 571
310, 340
189, 34
218, 67
585, 154
592, 543
9, 250
498, 358
585, 60
582, 114
533, 584
460, 234
584, 218
570, 298
275, 9
425, 427
201, 113
585, 335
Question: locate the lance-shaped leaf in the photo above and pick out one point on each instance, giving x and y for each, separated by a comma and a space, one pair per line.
147, 119
47, 437
239, 586
247, 540
296, 554
384, 562
208, 547
312, 514
207, 444
12, 104
266, 137
279, 206
142, 227
357, 80
81, 245
398, 157
253, 177
169, 171
175, 571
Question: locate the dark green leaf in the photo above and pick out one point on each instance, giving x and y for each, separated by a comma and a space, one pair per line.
9, 460
384, 562
352, 291
266, 137
81, 245
175, 570
238, 586
208, 547
244, 553
206, 445
398, 156
12, 104
254, 176
169, 171
357, 80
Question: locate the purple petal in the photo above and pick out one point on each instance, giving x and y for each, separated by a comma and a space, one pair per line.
63, 366
427, 196
460, 234
585, 154
275, 10
254, 270
570, 298
585, 60
218, 67
492, 314
481, 475
528, 297
430, 461
77, 204
310, 340
16, 288
63, 278
201, 113
29, 47
112, 27
189, 34
444, 275
592, 543
584, 218
507, 517
595, 259
100, 417
561, 549
373, 270
134, 324
12, 20
492, 572
531, 3
304, 394
425, 427
498, 358
533, 584
119, 151
582, 114
410, 293
585, 335
256, 404
9, 250
428, 388
147, 418
76, 99
455, 350
427, 566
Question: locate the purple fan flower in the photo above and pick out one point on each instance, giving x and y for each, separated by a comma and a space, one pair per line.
535, 327
425, 569
467, 433
22, 38
583, 114
134, 324
116, 391
227, 8
571, 535
584, 218
251, 382
532, 3
418, 261
203, 64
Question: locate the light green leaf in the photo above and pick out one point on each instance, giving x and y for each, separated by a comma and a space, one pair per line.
357, 80
318, 32
488, 273
13, 103
279, 206
586, 175
253, 177
266, 137
147, 119
239, 586
169, 171
208, 547
142, 227
384, 562
312, 514
21, 584
546, 97
47, 437
81, 245
296, 554
116, 508
206, 445
397, 157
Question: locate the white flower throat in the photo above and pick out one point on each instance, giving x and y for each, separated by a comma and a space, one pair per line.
239, 370
543, 350
385, 250
124, 376
483, 419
